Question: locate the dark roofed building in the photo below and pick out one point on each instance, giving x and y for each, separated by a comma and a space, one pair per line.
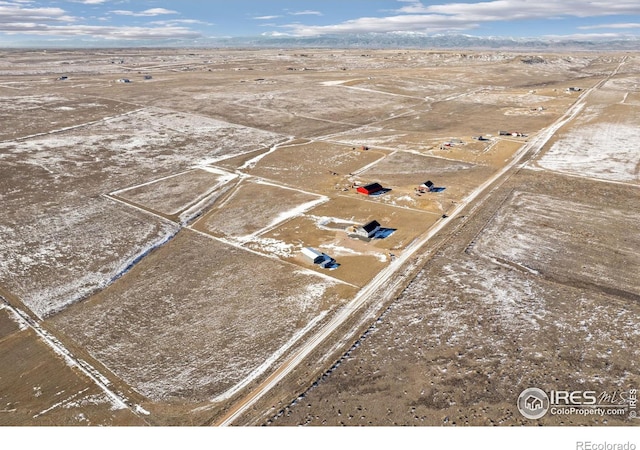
428, 185
370, 188
368, 230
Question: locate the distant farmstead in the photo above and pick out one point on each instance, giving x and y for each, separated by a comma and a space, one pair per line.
370, 189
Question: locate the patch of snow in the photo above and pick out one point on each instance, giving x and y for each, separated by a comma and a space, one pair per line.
406, 198
339, 250
273, 246
140, 410
322, 222
255, 160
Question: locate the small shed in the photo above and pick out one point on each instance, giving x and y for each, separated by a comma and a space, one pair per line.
313, 254
368, 230
322, 259
370, 189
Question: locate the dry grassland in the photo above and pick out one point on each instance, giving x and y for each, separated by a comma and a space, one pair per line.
150, 264
137, 327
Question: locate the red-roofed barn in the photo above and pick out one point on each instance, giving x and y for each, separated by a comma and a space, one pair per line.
370, 189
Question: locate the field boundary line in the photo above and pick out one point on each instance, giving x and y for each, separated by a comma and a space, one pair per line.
72, 361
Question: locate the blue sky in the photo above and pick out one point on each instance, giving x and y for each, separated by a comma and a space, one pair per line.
132, 21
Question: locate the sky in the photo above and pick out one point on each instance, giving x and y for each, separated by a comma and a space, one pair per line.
119, 22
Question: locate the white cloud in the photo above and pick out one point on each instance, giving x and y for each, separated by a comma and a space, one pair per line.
106, 32
518, 9
147, 13
11, 12
306, 13
266, 17
418, 17
180, 21
612, 26
422, 23
21, 18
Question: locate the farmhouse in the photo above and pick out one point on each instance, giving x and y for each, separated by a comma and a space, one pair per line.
368, 230
370, 189
428, 185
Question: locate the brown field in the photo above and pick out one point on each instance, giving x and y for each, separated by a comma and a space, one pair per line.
150, 264
137, 327
252, 207
172, 196
38, 388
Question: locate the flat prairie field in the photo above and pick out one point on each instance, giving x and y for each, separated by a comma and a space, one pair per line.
197, 317
151, 263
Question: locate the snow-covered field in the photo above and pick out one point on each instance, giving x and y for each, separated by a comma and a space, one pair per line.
55, 261
561, 238
61, 240
602, 141
607, 151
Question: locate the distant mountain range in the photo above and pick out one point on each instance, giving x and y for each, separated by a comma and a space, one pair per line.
399, 40
421, 41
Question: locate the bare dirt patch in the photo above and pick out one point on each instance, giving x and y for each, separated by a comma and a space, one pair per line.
403, 172
328, 227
